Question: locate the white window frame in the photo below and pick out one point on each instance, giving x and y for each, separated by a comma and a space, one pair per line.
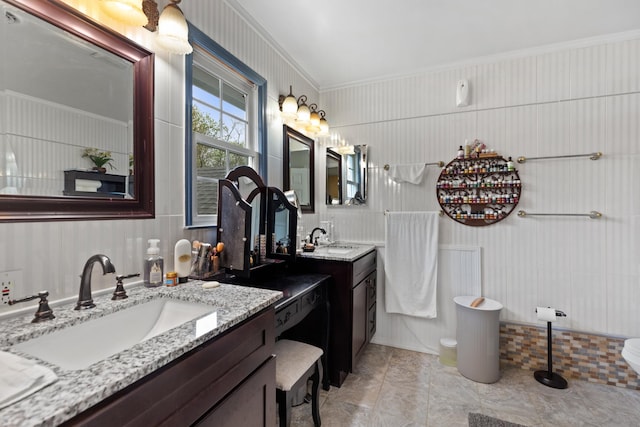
211, 65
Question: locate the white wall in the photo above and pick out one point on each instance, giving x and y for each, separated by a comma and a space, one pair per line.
566, 101
42, 139
50, 255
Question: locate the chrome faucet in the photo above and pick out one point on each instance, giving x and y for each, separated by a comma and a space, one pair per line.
84, 299
322, 230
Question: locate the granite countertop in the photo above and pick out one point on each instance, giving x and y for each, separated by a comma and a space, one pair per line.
339, 251
78, 390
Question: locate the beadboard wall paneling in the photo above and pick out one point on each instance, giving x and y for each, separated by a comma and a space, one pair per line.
43, 139
623, 67
572, 101
67, 245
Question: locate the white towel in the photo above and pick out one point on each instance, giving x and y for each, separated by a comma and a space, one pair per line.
411, 174
411, 263
20, 377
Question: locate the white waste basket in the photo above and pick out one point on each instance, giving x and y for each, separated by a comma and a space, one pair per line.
478, 339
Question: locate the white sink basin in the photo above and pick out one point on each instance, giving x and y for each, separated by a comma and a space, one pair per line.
335, 249
339, 250
81, 345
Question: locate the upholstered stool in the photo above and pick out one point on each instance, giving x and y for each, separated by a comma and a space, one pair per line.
296, 362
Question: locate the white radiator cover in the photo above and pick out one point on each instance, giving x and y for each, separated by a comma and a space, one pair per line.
459, 273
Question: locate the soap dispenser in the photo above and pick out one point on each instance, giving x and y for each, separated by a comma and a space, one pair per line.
153, 265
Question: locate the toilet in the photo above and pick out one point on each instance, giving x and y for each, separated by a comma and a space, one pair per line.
631, 353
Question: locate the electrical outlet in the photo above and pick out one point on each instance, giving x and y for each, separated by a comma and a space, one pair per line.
8, 282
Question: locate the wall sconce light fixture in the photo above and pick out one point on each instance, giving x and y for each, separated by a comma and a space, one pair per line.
303, 117
128, 12
171, 25
173, 31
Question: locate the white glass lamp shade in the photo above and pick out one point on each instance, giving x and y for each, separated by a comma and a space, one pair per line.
128, 12
289, 105
304, 114
324, 126
314, 121
173, 32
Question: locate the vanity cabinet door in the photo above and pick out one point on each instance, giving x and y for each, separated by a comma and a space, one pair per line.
351, 306
371, 305
359, 321
253, 403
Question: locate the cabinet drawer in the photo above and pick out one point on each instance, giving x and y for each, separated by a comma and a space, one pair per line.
286, 314
311, 300
363, 266
253, 403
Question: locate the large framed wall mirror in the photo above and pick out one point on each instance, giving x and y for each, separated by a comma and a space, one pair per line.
346, 172
299, 172
71, 89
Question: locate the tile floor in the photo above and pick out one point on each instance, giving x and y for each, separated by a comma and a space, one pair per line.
395, 387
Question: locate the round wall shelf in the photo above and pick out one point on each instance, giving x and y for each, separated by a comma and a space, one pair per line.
479, 191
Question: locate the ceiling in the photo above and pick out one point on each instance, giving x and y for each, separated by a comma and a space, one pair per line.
342, 42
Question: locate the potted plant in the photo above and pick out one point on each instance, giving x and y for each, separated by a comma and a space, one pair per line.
99, 158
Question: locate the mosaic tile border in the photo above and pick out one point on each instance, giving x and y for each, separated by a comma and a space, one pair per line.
576, 355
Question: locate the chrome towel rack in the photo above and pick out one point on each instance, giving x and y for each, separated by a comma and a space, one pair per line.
592, 156
440, 213
439, 163
592, 214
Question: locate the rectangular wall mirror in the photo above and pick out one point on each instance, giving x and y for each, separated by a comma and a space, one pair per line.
69, 85
346, 172
298, 162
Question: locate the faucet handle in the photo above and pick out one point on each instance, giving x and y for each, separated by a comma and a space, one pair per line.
120, 293
44, 312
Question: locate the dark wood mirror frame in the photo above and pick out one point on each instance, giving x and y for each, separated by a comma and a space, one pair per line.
289, 134
142, 206
332, 155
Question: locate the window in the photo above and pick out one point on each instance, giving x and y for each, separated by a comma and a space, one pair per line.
352, 176
225, 124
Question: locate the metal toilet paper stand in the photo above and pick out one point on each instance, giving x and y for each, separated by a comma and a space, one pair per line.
548, 377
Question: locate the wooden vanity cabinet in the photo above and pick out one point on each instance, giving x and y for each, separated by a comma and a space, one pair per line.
228, 381
352, 300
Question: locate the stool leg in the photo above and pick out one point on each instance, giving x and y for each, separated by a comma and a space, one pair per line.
284, 408
315, 385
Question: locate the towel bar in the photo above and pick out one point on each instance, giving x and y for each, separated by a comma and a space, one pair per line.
441, 213
592, 156
592, 214
439, 163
